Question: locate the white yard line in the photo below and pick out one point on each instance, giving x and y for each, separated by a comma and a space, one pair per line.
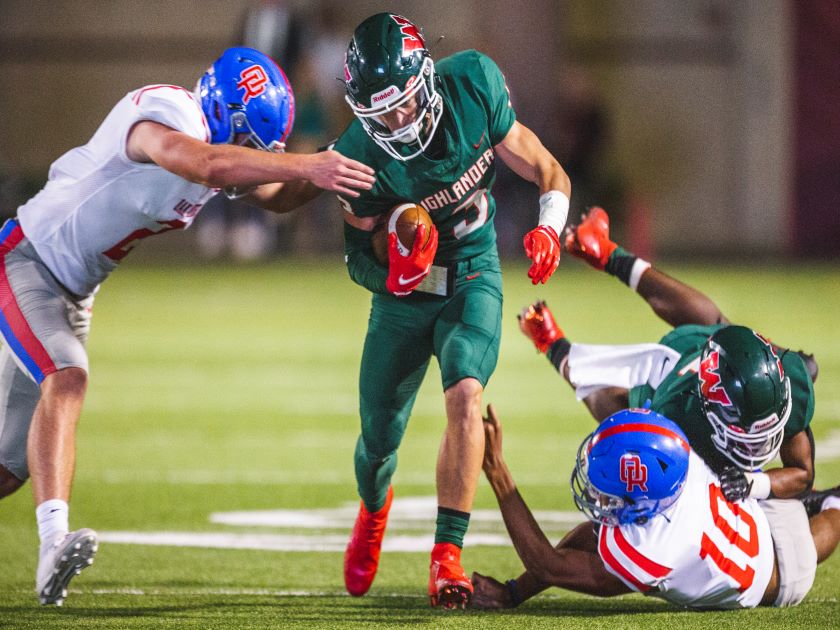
407, 514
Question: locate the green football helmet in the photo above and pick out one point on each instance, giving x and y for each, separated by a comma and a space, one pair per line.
745, 395
386, 66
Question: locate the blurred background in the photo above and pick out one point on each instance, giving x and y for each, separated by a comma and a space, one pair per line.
707, 128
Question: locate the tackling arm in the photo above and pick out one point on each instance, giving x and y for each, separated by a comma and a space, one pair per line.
224, 166
797, 474
282, 197
576, 567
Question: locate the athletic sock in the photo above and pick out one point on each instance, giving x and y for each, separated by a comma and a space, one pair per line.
451, 526
53, 517
830, 503
557, 353
626, 266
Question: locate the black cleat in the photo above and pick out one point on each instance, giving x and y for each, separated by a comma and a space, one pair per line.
814, 499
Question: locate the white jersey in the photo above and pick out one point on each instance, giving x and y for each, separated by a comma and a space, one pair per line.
98, 203
703, 552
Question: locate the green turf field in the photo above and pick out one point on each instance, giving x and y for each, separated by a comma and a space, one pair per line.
219, 390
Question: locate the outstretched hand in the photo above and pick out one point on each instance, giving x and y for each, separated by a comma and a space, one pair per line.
493, 459
489, 593
332, 171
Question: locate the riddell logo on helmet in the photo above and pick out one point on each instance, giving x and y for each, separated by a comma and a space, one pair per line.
253, 80
384, 96
710, 382
763, 424
633, 472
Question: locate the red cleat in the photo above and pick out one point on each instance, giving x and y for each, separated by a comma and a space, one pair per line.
449, 586
590, 240
361, 559
537, 323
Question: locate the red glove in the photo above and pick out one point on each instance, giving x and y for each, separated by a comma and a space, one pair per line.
406, 272
590, 241
542, 246
537, 323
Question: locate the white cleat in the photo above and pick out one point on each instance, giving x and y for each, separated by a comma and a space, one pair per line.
63, 559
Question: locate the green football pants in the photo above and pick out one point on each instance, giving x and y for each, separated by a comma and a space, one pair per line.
462, 331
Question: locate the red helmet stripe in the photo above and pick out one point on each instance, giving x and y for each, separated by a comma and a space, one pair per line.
641, 427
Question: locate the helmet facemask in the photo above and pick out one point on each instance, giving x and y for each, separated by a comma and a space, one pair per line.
596, 506
753, 447
608, 509
418, 134
240, 125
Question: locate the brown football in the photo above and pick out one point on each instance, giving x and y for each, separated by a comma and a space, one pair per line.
404, 220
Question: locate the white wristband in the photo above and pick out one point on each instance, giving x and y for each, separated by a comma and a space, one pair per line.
639, 268
554, 210
760, 484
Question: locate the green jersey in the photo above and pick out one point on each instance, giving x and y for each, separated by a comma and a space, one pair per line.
677, 397
455, 188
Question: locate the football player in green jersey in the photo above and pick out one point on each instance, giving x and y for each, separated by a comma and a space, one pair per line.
432, 132
740, 399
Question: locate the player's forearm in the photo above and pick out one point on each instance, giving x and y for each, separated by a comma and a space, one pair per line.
361, 264
531, 544
283, 197
796, 474
224, 165
789, 483
677, 303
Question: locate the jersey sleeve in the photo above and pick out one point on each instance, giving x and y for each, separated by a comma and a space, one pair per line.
801, 391
621, 558
689, 337
496, 96
172, 106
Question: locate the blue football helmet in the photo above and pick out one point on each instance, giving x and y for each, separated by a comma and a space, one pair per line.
631, 468
246, 92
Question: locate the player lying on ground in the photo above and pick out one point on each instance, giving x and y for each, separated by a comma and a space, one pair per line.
161, 153
433, 132
740, 399
660, 525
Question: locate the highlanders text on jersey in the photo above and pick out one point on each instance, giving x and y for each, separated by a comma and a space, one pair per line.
703, 553
98, 203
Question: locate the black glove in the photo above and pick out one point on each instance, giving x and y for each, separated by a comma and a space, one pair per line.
734, 484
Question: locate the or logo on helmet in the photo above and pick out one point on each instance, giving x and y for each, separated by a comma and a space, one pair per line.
745, 395
412, 39
710, 384
246, 97
633, 472
391, 85
631, 468
253, 81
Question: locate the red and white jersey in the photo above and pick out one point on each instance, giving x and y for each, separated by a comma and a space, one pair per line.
98, 203
704, 552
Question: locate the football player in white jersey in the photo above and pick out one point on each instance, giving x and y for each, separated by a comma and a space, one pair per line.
160, 154
662, 527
